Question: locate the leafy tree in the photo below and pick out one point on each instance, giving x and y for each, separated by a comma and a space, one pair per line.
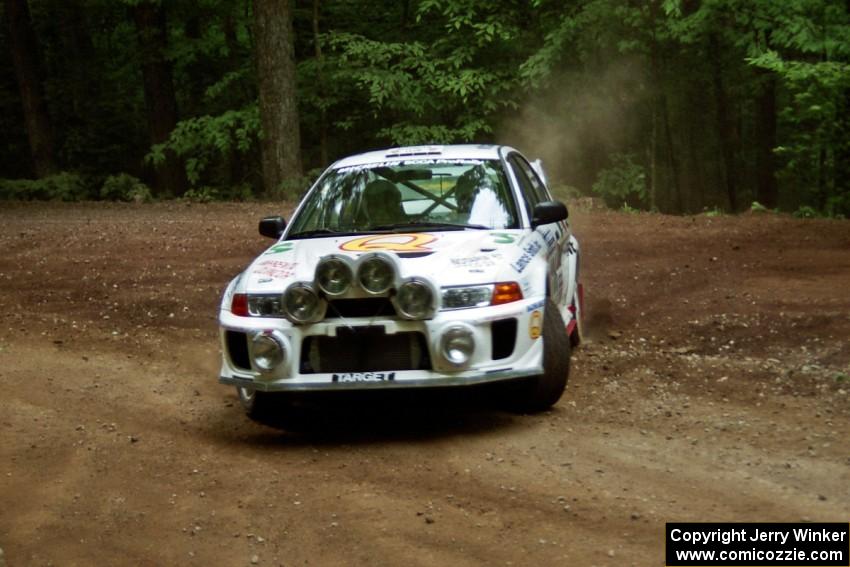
675, 105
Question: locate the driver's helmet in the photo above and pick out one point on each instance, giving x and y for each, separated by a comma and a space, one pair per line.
382, 201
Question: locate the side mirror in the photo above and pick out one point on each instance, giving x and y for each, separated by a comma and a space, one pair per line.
272, 226
548, 212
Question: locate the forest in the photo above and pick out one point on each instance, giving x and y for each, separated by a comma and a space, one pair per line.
677, 106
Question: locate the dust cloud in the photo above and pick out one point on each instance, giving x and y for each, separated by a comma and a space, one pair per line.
579, 120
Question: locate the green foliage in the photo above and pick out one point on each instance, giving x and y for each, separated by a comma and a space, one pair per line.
838, 206
622, 183
125, 187
202, 194
208, 194
806, 212
758, 208
714, 212
203, 139
65, 186
626, 94
448, 81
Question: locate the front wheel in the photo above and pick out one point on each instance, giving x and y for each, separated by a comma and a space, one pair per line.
259, 406
544, 391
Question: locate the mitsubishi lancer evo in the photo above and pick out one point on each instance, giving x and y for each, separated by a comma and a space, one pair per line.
416, 267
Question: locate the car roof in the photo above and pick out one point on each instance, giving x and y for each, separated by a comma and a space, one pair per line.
457, 151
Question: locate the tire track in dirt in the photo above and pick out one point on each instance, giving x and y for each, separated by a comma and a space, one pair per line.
668, 421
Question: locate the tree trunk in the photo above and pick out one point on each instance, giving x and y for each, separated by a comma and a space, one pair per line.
725, 130
323, 119
672, 159
28, 70
76, 55
841, 170
275, 59
653, 161
766, 188
170, 177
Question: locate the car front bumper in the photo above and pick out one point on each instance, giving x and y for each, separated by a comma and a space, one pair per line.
525, 359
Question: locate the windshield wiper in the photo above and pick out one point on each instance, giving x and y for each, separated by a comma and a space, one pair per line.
315, 232
428, 224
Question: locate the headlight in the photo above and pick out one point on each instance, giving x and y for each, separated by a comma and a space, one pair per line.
415, 299
265, 305
376, 275
267, 352
463, 297
300, 303
457, 345
333, 276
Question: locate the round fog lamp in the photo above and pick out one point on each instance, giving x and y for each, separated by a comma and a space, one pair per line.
375, 275
300, 303
333, 276
267, 352
457, 345
415, 299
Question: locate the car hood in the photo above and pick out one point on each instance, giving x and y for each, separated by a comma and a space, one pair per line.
458, 257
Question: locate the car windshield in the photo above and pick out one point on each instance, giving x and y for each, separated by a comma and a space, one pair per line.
411, 195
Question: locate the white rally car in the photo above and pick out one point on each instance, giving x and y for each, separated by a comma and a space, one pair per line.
412, 267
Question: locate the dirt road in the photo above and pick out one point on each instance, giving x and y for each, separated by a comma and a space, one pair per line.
713, 387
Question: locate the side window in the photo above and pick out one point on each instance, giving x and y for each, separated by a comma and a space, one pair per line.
529, 195
539, 189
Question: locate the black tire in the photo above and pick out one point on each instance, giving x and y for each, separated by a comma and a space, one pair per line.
262, 407
544, 391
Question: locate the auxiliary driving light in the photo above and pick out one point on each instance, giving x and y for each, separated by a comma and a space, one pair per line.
267, 352
415, 300
457, 345
376, 275
300, 303
333, 276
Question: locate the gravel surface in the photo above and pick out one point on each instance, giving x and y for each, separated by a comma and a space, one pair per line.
712, 386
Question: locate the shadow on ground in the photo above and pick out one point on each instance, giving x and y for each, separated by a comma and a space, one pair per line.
373, 417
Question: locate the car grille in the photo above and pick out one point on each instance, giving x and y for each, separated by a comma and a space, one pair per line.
364, 307
364, 349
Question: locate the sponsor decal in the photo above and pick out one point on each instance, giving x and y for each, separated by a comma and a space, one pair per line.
417, 161
474, 262
551, 237
364, 377
390, 242
280, 248
534, 325
275, 269
536, 305
530, 250
503, 238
